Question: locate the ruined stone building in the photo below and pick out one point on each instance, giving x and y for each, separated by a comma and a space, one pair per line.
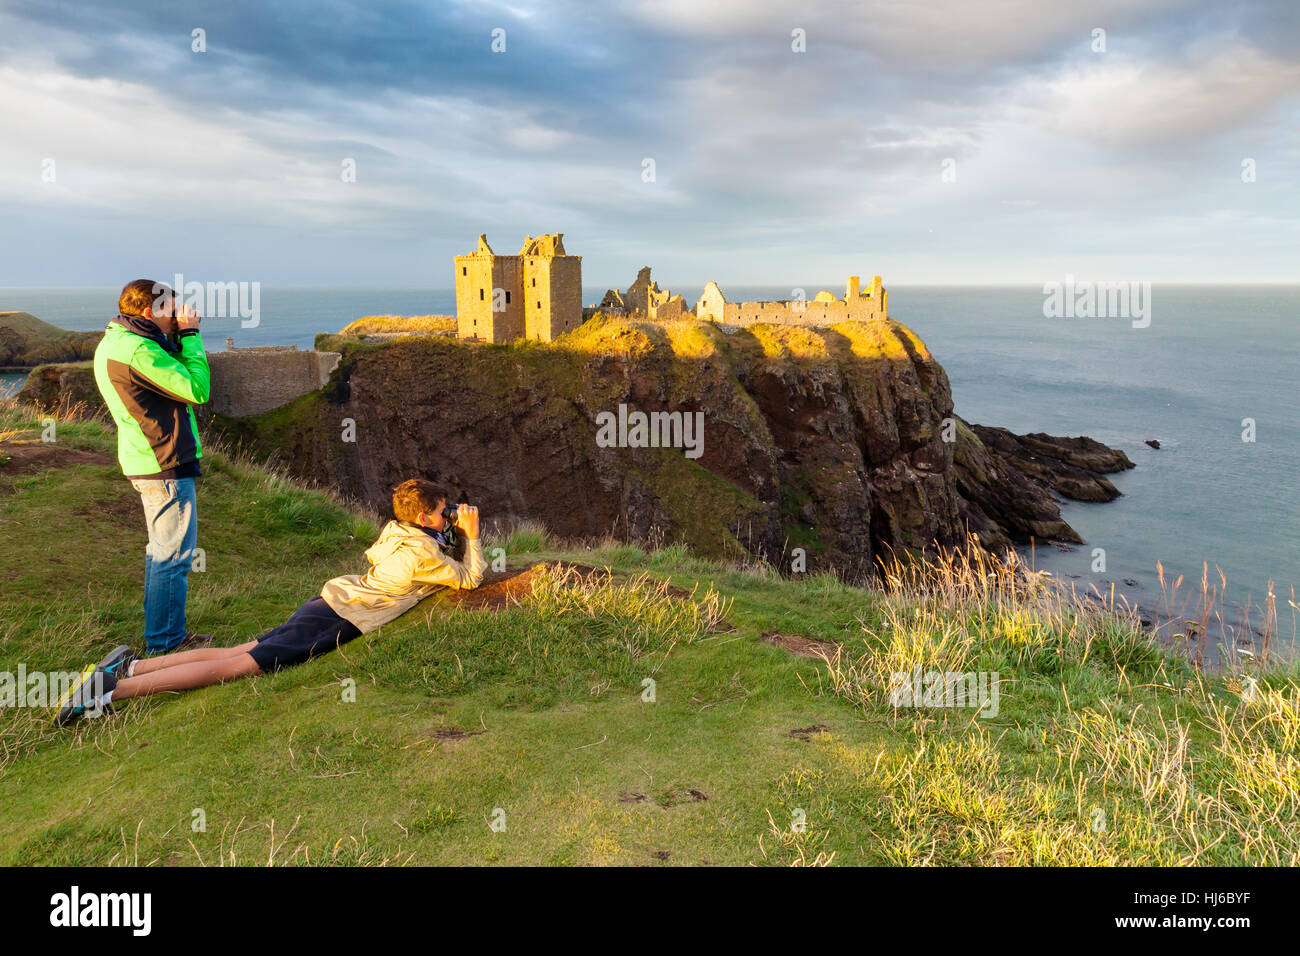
612, 304
822, 310
536, 294
644, 299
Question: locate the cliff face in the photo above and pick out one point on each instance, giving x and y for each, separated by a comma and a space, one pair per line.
62, 386
840, 441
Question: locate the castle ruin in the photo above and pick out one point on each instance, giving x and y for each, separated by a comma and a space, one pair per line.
644, 299
536, 294
822, 310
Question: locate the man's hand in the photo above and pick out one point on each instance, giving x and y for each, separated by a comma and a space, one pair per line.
187, 317
467, 520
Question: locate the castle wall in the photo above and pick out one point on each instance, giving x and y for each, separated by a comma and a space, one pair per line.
810, 312
821, 311
249, 381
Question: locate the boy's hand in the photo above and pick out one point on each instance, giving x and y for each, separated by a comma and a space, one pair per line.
187, 317
467, 520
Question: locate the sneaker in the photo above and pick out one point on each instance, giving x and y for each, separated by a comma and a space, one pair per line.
193, 642
118, 661
190, 642
82, 698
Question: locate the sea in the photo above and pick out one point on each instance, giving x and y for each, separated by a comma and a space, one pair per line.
1211, 372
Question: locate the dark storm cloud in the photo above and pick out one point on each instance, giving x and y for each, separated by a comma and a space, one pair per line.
558, 61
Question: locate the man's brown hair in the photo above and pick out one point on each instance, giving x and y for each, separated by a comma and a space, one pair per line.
142, 294
416, 495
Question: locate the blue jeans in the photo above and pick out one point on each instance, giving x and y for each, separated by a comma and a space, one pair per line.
171, 514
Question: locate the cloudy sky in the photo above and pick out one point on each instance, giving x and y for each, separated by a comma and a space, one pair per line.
771, 166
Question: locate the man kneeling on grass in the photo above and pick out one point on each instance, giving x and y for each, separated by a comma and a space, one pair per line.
407, 564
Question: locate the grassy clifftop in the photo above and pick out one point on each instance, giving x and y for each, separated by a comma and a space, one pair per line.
403, 747
400, 324
26, 341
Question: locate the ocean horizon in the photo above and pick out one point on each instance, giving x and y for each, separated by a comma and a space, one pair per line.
1217, 363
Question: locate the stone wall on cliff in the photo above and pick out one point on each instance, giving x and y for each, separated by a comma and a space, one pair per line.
244, 381
823, 310
251, 381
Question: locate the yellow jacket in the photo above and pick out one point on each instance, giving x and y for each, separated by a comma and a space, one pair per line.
406, 566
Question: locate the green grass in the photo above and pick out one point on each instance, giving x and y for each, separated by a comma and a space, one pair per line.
406, 745
400, 323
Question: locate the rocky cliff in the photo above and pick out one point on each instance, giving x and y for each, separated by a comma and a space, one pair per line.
840, 441
63, 386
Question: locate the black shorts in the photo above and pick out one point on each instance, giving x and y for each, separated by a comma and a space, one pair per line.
314, 629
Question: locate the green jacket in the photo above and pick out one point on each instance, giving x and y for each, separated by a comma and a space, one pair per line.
151, 388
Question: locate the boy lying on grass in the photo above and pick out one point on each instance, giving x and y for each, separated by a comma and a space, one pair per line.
407, 564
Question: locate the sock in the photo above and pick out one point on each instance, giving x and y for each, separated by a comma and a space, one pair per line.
98, 706
130, 669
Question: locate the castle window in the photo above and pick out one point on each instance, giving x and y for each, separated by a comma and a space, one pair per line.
480, 295
464, 270
534, 280
507, 296
539, 304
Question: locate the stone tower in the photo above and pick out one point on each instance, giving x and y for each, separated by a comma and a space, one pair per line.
552, 284
536, 294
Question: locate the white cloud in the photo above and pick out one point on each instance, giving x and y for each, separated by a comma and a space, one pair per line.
414, 155
1126, 102
122, 146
